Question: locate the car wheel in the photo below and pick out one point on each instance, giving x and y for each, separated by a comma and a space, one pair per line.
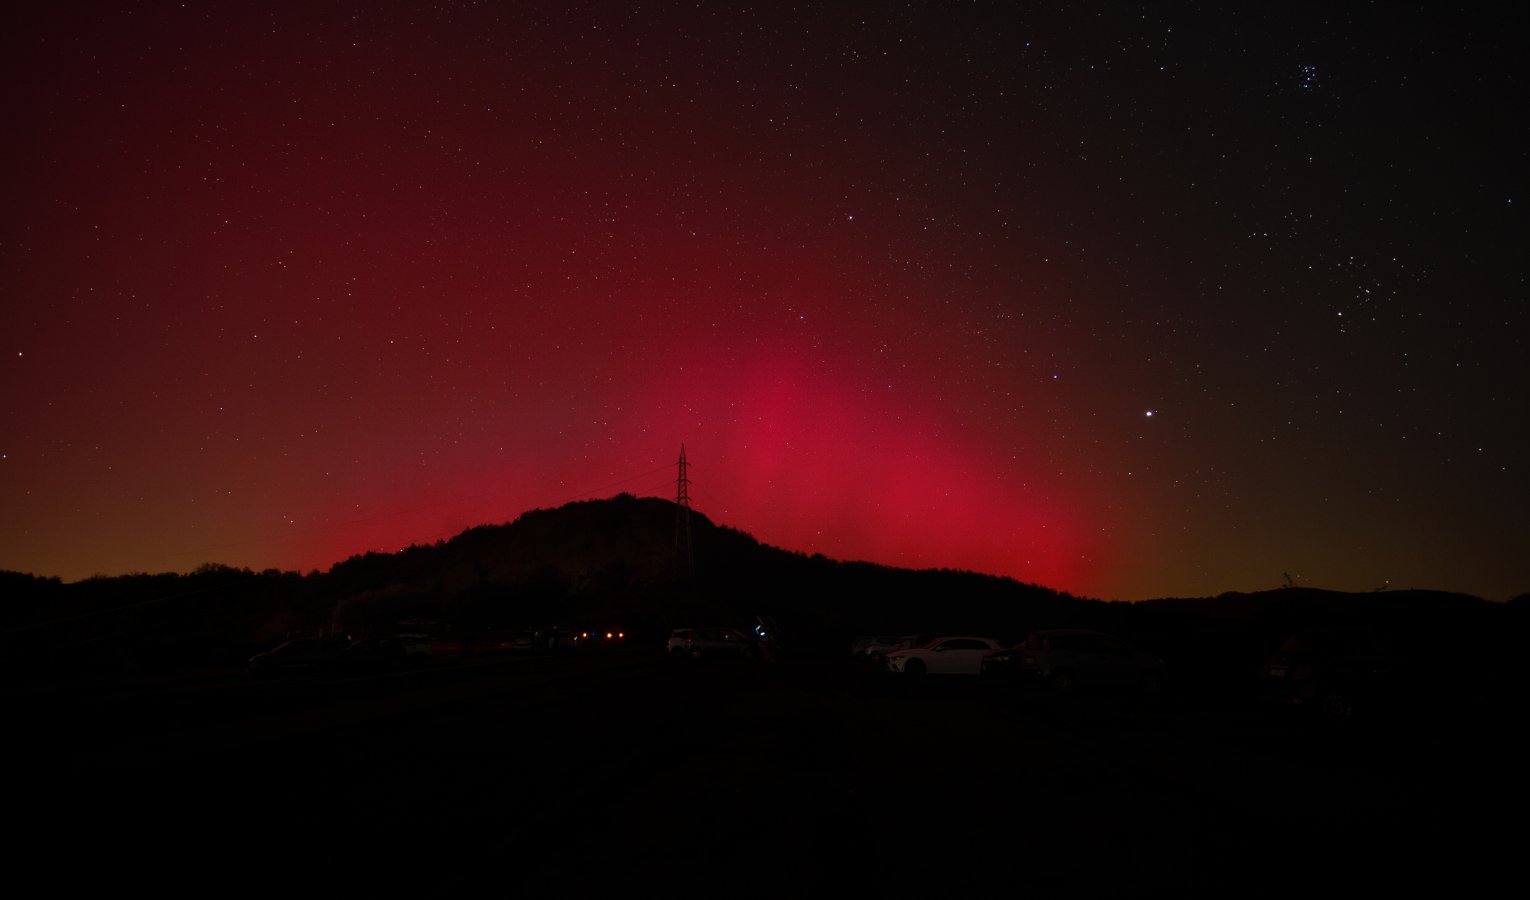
1337, 709
695, 653
914, 667
1063, 682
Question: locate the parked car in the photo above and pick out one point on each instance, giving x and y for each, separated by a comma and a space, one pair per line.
699, 643
1339, 676
557, 639
1069, 659
954, 655
299, 655
1003, 664
520, 642
374, 654
876, 647
868, 644
416, 646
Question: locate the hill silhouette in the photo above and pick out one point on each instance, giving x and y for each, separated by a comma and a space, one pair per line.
618, 559
615, 562
602, 562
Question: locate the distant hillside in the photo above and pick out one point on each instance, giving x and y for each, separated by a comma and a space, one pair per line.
1225, 638
619, 558
616, 562
596, 562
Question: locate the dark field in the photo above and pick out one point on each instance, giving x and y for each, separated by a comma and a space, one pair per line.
505, 773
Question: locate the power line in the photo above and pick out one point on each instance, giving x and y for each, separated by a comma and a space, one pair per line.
683, 510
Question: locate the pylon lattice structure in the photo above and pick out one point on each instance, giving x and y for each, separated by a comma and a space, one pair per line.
683, 512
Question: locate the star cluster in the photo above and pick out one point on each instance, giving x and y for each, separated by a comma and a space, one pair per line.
1129, 300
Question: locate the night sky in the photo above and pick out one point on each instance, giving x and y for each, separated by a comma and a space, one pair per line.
1128, 300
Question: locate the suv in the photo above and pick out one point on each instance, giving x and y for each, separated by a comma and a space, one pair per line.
704, 642
1072, 658
956, 655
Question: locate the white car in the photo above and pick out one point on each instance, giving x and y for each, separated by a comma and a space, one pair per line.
416, 646
957, 655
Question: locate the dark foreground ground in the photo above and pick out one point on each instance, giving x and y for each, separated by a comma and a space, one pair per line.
579, 773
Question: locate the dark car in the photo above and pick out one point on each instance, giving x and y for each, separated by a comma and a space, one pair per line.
520, 642
1073, 659
299, 655
1340, 676
1003, 664
872, 644
557, 639
874, 648
700, 643
374, 654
